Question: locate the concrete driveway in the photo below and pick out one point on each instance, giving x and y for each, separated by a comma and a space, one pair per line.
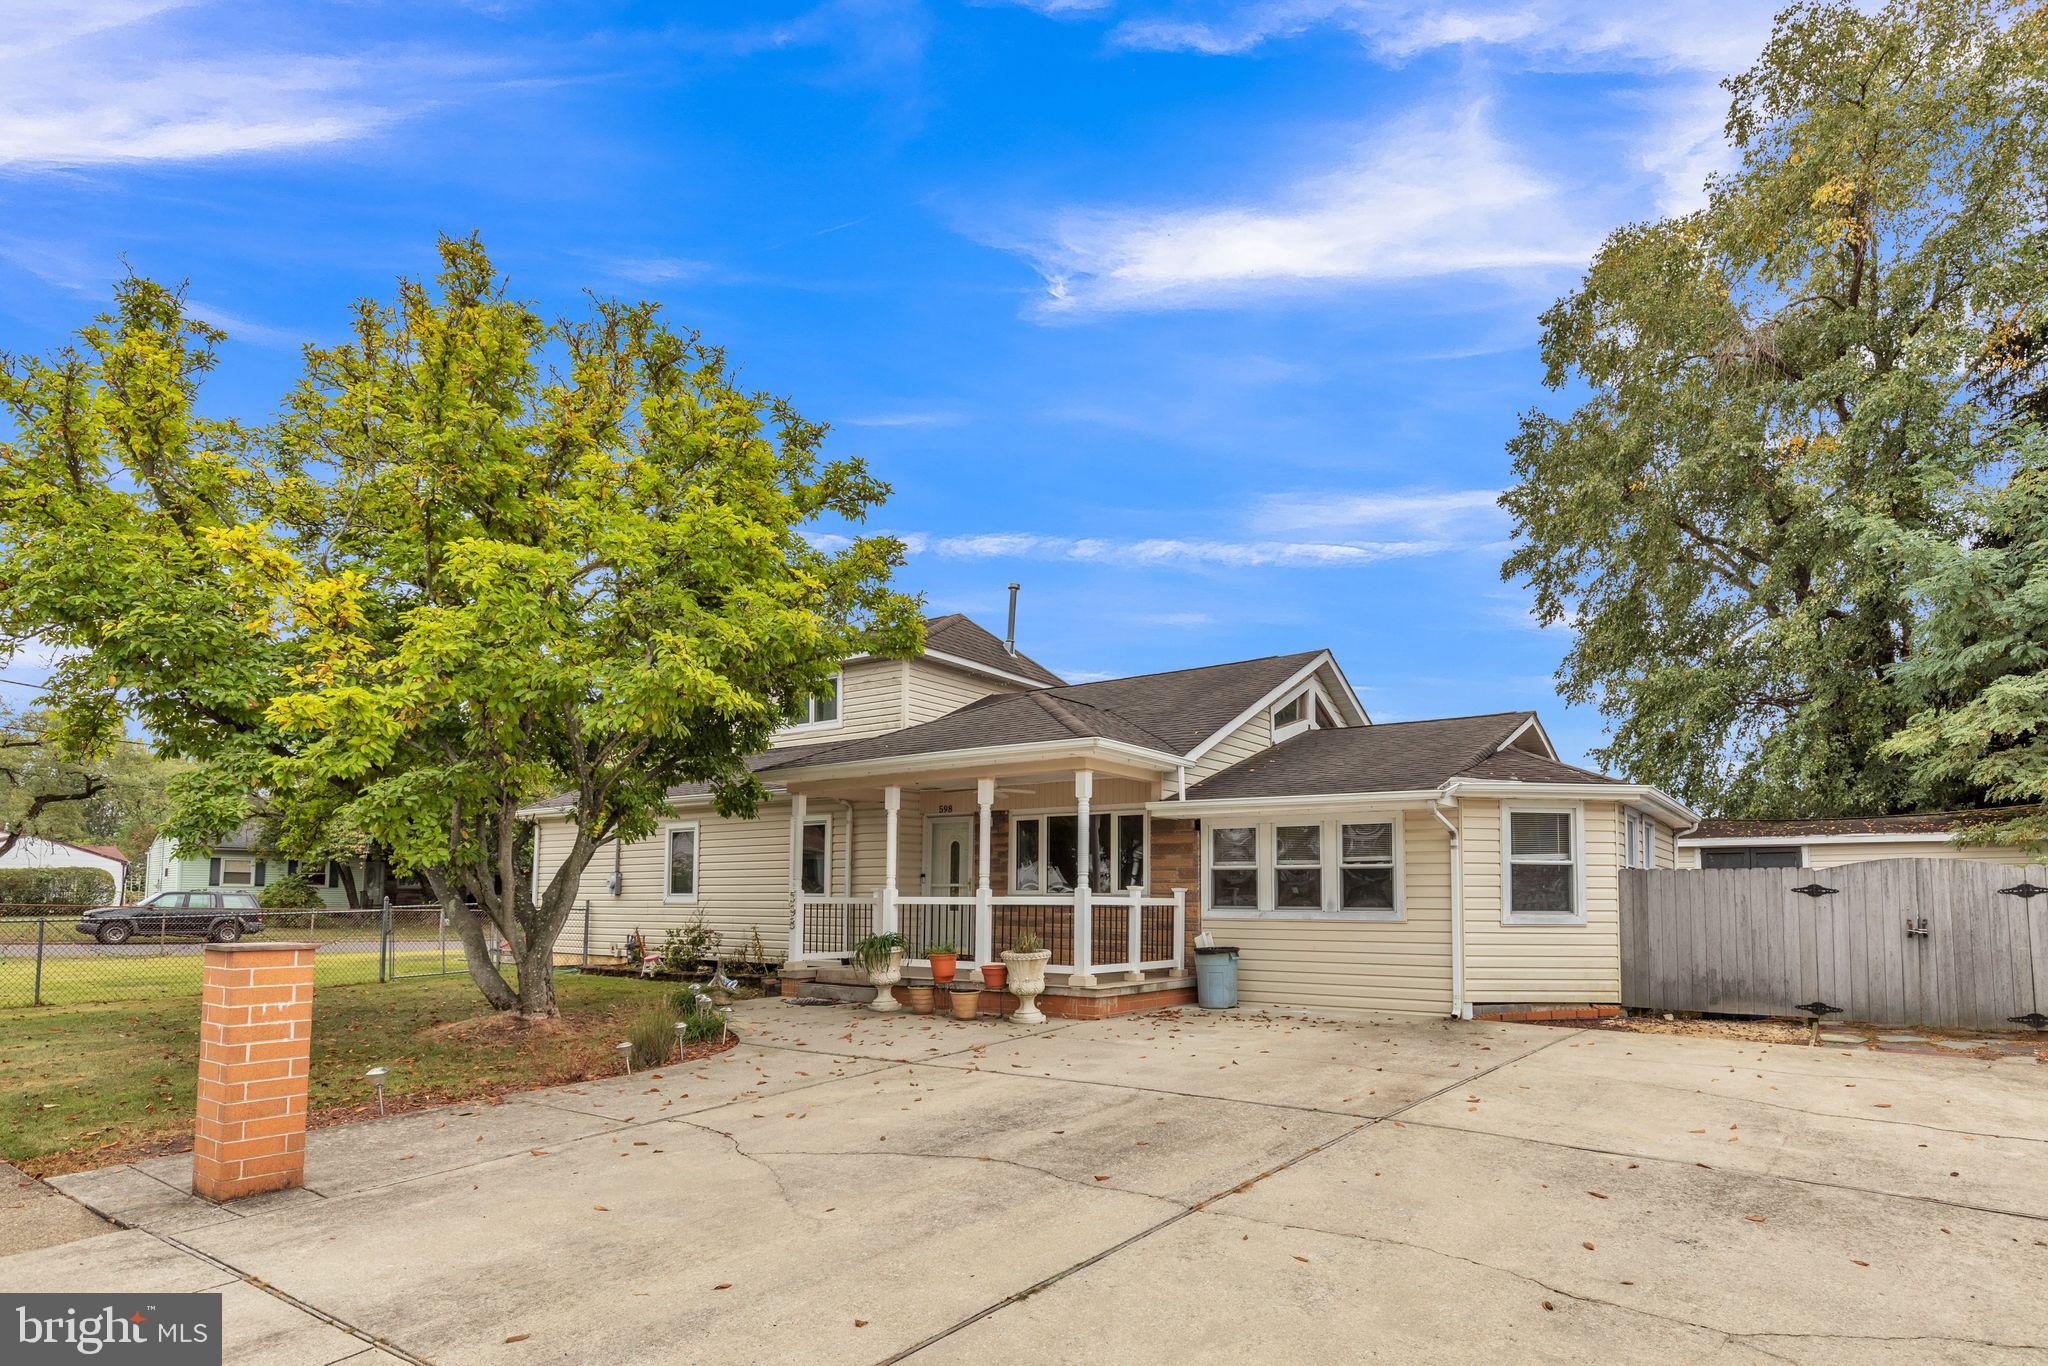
1170, 1188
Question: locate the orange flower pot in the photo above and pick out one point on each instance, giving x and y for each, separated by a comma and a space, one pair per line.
944, 965
993, 975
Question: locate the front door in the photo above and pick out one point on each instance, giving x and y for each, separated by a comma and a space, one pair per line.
949, 868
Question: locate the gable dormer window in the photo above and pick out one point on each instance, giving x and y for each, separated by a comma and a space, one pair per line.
821, 709
1295, 715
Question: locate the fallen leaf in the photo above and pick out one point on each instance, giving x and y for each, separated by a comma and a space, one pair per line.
1587, 1246
519, 1337
1548, 1305
1754, 1218
1859, 1262
1596, 1195
860, 1323
723, 1285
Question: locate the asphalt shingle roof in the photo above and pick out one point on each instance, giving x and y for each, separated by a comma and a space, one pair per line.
1399, 756
960, 636
1917, 823
1169, 712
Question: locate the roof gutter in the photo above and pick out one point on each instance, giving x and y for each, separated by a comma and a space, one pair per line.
1459, 1010
911, 764
1223, 806
1640, 793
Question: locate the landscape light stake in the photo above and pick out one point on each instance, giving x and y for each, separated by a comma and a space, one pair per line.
625, 1056
1817, 1009
681, 1025
376, 1076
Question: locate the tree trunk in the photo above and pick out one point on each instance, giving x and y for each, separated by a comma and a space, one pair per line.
537, 982
349, 891
476, 953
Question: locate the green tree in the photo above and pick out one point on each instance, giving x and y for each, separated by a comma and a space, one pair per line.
1979, 669
114, 795
479, 559
1766, 375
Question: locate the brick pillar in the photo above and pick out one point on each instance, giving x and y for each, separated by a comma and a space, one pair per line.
255, 1042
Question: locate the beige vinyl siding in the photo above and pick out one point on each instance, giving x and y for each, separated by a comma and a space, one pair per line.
870, 703
934, 690
1667, 845
1395, 967
1821, 853
1241, 744
742, 883
1572, 964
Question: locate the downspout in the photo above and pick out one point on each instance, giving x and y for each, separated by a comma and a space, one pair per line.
1183, 773
1459, 1009
846, 805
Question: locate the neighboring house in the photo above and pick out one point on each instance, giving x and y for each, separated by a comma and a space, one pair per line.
38, 854
1432, 867
1832, 842
244, 862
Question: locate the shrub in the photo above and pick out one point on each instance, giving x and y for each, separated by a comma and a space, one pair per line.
56, 887
288, 894
682, 949
653, 1036
703, 1027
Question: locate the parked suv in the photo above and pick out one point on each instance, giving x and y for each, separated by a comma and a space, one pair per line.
223, 917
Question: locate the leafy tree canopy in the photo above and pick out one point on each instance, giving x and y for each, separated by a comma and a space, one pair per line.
478, 560
1765, 378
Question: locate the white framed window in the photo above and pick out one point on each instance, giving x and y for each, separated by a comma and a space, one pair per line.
1542, 874
1298, 866
817, 856
1641, 836
1365, 863
821, 710
681, 852
1303, 711
237, 872
1233, 852
1308, 867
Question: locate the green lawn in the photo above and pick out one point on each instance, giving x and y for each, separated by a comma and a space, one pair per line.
137, 972
80, 1078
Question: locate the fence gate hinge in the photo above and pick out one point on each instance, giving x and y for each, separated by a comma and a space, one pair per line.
2026, 891
1916, 929
1816, 891
2032, 1019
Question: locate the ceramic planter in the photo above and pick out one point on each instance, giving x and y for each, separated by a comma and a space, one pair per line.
966, 1001
1027, 980
993, 975
944, 965
919, 994
882, 977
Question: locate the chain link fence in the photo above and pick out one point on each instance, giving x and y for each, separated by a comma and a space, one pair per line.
57, 955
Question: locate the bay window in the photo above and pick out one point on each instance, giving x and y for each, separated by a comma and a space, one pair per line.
1540, 867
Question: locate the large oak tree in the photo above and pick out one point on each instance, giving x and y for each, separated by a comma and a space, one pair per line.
1766, 379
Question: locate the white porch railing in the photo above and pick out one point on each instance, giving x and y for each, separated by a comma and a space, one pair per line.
1089, 934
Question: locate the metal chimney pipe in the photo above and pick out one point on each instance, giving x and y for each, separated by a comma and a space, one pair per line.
1010, 639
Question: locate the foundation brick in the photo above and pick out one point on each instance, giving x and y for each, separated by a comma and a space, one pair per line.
255, 1043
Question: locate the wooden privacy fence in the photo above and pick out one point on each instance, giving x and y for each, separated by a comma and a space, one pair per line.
1896, 941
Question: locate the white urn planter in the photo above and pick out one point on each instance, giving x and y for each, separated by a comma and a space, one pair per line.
883, 979
1027, 980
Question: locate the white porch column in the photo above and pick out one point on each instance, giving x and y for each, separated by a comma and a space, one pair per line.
984, 904
798, 805
885, 914
1084, 920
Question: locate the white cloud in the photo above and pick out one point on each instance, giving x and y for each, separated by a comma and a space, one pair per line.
1172, 552
1424, 200
1654, 34
912, 419
1183, 621
100, 83
1411, 514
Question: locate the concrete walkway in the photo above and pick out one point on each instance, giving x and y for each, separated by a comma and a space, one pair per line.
1166, 1188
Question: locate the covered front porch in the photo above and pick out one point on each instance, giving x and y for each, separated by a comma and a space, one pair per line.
991, 855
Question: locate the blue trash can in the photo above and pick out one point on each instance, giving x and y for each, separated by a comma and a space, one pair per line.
1216, 977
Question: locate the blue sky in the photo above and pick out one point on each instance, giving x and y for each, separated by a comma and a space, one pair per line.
1206, 322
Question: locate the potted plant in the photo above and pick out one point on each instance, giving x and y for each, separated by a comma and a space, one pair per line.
881, 957
1026, 962
992, 975
965, 1000
919, 995
945, 961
